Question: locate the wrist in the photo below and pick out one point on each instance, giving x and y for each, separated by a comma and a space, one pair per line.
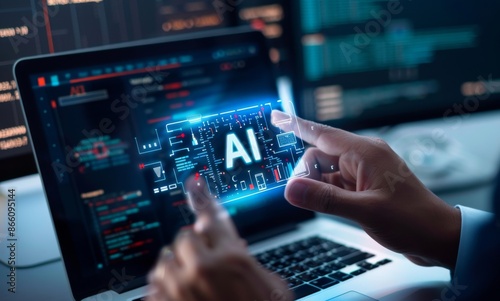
447, 252
439, 240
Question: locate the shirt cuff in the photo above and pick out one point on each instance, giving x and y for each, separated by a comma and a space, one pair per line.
473, 221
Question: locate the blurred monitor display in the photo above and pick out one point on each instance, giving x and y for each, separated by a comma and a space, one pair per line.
369, 63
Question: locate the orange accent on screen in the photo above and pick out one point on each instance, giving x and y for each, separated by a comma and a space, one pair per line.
48, 29
41, 82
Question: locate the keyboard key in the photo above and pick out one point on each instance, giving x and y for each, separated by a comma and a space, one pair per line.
305, 243
335, 266
263, 260
274, 258
292, 260
322, 271
384, 261
282, 251
324, 282
367, 266
301, 255
268, 267
322, 259
287, 252
330, 256
330, 245
297, 269
286, 274
340, 276
296, 247
316, 250
276, 266
274, 253
343, 252
313, 263
355, 258
358, 272
293, 282
309, 276
311, 241
304, 290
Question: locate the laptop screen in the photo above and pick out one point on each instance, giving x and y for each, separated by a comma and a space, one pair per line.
117, 132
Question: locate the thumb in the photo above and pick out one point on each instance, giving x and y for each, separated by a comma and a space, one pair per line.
325, 198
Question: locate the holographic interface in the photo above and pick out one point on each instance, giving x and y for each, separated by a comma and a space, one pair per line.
239, 153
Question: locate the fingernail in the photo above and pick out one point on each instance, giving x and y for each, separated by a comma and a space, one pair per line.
296, 192
166, 253
275, 115
186, 230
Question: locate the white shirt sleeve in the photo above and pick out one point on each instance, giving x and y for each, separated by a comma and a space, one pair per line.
473, 221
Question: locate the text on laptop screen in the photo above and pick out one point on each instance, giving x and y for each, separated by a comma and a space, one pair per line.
125, 136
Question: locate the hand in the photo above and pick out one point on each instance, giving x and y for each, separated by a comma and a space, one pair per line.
372, 185
211, 262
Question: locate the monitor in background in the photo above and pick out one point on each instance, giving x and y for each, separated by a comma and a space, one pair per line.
368, 63
273, 18
29, 28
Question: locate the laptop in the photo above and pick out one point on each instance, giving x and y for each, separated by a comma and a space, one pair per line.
118, 130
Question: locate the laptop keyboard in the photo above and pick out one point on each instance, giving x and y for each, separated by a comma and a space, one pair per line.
312, 264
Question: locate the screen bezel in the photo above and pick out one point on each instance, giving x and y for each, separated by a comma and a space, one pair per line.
71, 60
17, 166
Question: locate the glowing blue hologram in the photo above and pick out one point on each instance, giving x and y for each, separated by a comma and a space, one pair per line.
150, 146
235, 149
238, 152
156, 168
286, 139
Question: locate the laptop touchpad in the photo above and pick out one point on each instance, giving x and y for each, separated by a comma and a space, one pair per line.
352, 296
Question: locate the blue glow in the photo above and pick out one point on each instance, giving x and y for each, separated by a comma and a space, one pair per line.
237, 151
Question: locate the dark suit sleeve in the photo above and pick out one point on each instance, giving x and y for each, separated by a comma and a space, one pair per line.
477, 275
496, 198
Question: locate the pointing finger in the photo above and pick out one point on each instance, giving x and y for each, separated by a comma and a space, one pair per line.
330, 140
212, 220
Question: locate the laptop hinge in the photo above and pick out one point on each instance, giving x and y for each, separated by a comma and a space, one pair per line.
271, 233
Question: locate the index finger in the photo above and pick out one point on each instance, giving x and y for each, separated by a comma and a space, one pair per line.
330, 140
200, 199
212, 220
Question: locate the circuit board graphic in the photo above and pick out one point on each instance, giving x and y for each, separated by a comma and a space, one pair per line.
239, 153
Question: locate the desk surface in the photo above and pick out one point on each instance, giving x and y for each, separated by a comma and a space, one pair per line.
37, 240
